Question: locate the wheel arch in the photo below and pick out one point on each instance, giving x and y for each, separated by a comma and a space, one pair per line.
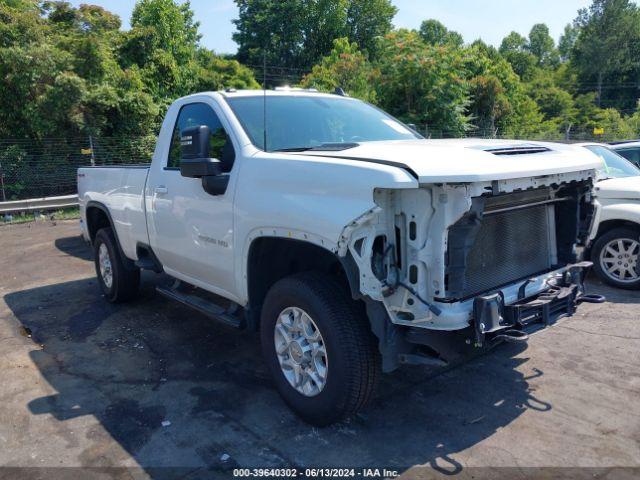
271, 258
609, 225
98, 216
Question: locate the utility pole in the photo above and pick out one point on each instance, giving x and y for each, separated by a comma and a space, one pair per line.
93, 158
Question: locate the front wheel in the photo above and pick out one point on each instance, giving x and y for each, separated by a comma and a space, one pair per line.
319, 348
616, 257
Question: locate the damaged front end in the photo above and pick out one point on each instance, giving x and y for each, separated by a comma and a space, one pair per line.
487, 261
494, 319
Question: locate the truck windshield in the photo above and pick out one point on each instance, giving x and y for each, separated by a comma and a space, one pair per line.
615, 166
297, 122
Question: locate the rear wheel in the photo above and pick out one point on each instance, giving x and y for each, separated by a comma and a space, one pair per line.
319, 348
119, 281
616, 256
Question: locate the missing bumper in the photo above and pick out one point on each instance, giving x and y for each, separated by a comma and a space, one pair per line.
493, 319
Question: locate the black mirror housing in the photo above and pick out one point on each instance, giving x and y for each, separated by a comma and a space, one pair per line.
194, 148
194, 142
200, 167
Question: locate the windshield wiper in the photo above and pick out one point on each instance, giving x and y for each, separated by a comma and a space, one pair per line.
292, 149
325, 147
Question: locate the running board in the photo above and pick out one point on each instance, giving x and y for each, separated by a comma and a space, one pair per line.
231, 315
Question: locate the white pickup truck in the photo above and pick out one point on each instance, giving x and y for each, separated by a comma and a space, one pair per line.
348, 241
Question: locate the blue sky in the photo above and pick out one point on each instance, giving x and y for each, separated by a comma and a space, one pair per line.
490, 20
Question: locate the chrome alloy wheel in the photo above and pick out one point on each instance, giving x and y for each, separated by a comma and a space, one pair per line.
619, 260
301, 351
106, 271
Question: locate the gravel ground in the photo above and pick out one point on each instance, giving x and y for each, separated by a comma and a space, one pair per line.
165, 392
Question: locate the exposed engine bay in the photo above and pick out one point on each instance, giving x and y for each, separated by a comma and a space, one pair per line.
427, 253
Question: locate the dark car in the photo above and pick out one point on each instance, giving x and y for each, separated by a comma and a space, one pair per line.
629, 150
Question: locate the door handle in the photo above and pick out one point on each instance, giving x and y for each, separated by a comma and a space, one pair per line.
161, 190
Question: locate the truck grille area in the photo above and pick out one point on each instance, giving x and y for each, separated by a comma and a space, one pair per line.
508, 246
510, 237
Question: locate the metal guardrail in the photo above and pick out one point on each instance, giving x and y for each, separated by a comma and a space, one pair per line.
39, 204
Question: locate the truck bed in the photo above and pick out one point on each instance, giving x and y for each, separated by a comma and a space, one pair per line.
121, 190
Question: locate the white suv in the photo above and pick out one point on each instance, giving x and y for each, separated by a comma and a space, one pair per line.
616, 249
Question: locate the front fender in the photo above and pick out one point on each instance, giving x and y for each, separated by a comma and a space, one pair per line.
309, 199
624, 210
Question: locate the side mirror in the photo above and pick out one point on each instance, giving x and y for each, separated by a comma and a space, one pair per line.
194, 148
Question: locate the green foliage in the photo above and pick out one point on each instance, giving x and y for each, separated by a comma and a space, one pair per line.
367, 20
344, 67
567, 41
298, 33
499, 103
555, 103
423, 84
514, 49
76, 73
435, 33
13, 161
216, 73
542, 46
172, 26
614, 125
634, 122
605, 52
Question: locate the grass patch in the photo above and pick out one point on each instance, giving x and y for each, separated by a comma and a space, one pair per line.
62, 214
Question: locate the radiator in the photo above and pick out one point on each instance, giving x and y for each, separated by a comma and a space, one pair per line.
509, 246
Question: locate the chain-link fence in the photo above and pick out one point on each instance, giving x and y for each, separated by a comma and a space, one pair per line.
47, 167
31, 168
570, 135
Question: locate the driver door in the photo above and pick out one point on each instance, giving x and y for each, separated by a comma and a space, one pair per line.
191, 231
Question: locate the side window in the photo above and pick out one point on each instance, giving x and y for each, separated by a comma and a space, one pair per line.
631, 154
194, 114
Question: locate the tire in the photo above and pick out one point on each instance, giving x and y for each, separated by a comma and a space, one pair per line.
351, 357
118, 281
619, 249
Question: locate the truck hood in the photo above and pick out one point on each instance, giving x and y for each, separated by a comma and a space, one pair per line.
627, 188
470, 160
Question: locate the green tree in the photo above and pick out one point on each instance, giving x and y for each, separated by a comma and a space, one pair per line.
556, 104
499, 102
309, 30
173, 26
78, 74
515, 49
33, 73
542, 46
162, 42
435, 33
93, 18
367, 20
217, 73
344, 67
423, 84
586, 110
606, 51
567, 41
634, 122
21, 23
614, 125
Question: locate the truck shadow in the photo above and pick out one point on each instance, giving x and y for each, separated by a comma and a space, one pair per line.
175, 390
74, 246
